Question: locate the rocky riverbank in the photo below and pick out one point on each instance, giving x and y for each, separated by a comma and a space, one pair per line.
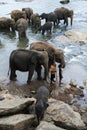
67, 103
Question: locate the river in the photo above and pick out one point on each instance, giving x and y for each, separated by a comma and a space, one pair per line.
75, 54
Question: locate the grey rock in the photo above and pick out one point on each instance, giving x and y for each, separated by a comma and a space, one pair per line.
16, 122
13, 106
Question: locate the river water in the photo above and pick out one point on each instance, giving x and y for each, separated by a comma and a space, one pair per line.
75, 55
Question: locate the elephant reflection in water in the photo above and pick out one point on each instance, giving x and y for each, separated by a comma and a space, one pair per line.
28, 60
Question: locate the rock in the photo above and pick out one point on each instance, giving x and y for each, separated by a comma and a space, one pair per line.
13, 106
64, 1
71, 36
73, 83
85, 84
62, 115
47, 126
16, 122
77, 36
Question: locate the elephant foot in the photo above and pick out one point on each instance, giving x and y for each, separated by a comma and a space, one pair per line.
13, 79
39, 78
28, 82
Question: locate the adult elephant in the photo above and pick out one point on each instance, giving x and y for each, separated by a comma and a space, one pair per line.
53, 53
52, 17
7, 23
28, 60
17, 14
63, 14
29, 12
21, 26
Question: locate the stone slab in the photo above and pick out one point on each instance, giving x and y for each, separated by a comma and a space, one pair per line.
16, 122
13, 106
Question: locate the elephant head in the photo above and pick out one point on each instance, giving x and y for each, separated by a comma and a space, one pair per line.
59, 57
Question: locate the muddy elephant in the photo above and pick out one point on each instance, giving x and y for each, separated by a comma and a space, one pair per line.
41, 102
17, 14
29, 12
52, 17
7, 23
35, 20
21, 26
45, 27
53, 53
63, 14
28, 60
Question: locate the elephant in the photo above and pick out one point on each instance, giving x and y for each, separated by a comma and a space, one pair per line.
45, 27
17, 14
52, 17
7, 23
35, 20
27, 60
41, 102
63, 14
21, 26
28, 12
53, 53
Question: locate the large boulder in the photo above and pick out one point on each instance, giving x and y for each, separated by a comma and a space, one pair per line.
13, 106
48, 126
16, 122
62, 114
77, 36
71, 36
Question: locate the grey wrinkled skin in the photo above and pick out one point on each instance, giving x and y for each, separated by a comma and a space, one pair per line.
7, 23
45, 27
41, 102
52, 17
53, 53
63, 14
28, 60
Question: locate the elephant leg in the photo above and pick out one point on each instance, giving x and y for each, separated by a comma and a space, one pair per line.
13, 75
30, 74
38, 70
66, 21
19, 33
43, 31
50, 30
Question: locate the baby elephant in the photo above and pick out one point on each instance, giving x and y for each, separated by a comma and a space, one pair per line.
46, 27
41, 102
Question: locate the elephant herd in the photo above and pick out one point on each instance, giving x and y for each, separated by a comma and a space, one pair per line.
20, 19
39, 54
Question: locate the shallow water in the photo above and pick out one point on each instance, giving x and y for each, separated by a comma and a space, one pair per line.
75, 55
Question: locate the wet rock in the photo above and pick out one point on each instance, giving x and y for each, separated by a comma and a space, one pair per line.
64, 1
77, 36
47, 126
73, 83
85, 84
16, 122
63, 115
67, 93
84, 117
13, 106
71, 36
